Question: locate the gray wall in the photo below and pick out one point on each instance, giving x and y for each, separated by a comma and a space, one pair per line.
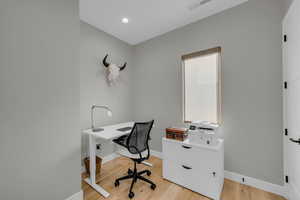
250, 37
94, 89
287, 4
39, 106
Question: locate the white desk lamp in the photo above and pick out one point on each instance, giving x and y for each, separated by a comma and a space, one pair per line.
108, 111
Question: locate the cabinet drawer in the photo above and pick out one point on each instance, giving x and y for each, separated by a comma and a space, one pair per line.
204, 182
190, 155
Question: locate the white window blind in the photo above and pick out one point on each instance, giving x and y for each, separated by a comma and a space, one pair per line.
201, 85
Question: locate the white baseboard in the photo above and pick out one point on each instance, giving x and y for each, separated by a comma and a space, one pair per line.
156, 154
76, 196
263, 185
294, 193
110, 157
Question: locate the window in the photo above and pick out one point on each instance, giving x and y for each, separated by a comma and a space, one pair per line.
201, 86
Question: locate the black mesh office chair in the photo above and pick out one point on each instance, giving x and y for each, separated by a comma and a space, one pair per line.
137, 146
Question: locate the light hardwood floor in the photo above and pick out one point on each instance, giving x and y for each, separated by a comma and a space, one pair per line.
165, 190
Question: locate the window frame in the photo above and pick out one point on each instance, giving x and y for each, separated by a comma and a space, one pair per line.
206, 52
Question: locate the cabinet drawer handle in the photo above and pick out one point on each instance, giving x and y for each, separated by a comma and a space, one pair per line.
186, 147
185, 167
295, 141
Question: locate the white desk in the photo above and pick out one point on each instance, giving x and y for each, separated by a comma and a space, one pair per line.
109, 133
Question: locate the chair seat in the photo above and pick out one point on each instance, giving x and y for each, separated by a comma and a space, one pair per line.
122, 150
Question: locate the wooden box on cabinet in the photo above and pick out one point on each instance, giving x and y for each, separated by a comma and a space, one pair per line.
176, 133
198, 167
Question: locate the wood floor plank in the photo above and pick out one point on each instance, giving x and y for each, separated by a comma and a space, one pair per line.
165, 190
230, 190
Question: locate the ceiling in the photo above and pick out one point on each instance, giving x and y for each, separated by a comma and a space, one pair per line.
147, 19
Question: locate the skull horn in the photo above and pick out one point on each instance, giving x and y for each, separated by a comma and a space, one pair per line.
106, 64
123, 67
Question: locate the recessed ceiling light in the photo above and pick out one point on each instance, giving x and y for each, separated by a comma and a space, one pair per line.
125, 20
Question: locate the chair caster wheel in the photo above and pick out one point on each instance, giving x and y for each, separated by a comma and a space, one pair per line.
117, 183
148, 173
153, 187
129, 171
131, 195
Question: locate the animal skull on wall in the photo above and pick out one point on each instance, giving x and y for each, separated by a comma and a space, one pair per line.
113, 71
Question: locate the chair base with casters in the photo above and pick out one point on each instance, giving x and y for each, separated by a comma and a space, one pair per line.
135, 175
135, 146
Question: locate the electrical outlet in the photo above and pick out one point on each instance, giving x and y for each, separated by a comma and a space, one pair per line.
98, 146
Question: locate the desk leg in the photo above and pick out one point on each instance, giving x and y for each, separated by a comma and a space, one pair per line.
92, 179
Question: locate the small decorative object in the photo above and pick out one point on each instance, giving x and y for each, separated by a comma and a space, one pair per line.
113, 71
203, 133
176, 133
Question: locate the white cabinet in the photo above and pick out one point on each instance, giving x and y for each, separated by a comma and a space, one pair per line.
198, 167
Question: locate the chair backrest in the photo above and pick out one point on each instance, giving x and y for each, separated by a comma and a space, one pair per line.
137, 141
